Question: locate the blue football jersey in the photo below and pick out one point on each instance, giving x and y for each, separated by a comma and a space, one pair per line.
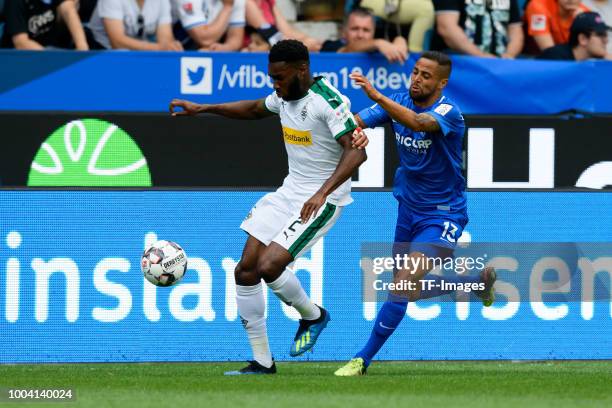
429, 176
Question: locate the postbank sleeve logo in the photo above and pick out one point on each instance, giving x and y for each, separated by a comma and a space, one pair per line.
297, 137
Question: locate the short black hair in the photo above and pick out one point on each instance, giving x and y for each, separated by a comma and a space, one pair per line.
443, 60
288, 51
361, 12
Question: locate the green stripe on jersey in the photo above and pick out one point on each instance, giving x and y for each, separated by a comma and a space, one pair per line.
310, 232
333, 98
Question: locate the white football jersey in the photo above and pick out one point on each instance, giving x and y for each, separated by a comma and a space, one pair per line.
311, 127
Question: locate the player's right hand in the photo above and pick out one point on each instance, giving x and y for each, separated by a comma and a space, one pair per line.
362, 81
188, 108
360, 140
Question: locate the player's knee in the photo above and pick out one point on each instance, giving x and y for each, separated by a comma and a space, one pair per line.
243, 275
268, 269
409, 285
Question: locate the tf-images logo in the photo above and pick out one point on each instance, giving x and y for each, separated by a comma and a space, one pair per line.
196, 75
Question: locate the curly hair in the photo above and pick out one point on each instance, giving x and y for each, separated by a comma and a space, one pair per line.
288, 51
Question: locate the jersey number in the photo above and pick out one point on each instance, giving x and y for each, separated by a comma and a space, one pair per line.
450, 230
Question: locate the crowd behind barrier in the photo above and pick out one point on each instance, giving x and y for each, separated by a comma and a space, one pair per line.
395, 28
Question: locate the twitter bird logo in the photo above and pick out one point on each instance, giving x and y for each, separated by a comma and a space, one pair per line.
195, 77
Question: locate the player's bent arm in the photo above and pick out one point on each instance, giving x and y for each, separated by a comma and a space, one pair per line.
350, 161
360, 122
254, 109
419, 122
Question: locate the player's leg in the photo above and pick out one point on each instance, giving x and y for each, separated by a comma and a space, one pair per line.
251, 307
262, 225
295, 239
393, 309
273, 269
435, 238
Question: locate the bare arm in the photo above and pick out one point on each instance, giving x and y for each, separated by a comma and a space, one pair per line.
21, 41
68, 11
350, 161
391, 51
544, 41
255, 109
289, 32
207, 34
284, 26
233, 41
166, 40
118, 38
454, 36
515, 40
419, 122
360, 122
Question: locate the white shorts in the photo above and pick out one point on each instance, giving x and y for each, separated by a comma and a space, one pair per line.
276, 218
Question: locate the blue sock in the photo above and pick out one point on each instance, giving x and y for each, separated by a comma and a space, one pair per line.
430, 290
389, 317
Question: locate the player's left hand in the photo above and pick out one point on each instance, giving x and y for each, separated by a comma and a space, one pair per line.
360, 140
311, 207
365, 84
188, 108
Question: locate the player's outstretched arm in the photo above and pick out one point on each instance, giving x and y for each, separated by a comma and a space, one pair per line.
420, 122
350, 160
254, 109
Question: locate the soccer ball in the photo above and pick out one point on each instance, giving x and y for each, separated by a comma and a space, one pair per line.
164, 263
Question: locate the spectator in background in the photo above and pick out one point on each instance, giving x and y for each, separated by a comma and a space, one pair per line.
549, 21
133, 25
271, 26
588, 40
358, 36
479, 28
211, 25
37, 24
604, 8
418, 13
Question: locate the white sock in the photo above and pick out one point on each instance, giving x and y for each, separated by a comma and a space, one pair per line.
251, 307
288, 288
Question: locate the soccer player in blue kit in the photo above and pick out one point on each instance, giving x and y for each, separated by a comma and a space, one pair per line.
430, 189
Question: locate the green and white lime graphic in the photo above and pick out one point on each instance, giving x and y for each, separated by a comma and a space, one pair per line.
89, 152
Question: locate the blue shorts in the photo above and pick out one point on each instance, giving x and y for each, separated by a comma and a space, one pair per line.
434, 233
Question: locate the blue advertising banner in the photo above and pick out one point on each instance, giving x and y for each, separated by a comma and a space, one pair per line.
72, 290
122, 81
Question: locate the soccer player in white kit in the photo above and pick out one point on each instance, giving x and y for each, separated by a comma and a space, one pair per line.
317, 128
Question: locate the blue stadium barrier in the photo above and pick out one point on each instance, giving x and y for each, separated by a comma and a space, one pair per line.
72, 288
146, 81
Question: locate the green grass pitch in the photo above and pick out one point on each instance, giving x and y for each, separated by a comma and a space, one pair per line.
308, 385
